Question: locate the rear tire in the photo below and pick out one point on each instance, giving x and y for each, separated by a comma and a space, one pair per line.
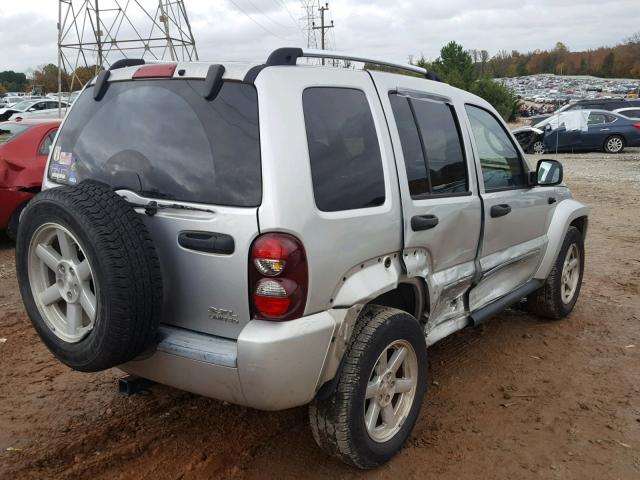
346, 424
89, 276
557, 297
614, 144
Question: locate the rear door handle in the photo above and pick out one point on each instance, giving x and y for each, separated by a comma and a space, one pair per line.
500, 210
605, 129
423, 222
207, 242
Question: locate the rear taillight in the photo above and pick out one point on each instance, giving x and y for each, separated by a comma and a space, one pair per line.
637, 125
278, 277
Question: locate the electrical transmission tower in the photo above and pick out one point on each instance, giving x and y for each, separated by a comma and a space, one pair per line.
309, 8
94, 33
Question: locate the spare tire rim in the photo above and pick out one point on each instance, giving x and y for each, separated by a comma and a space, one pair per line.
570, 274
391, 390
62, 282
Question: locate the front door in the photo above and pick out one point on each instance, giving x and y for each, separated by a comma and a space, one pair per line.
515, 215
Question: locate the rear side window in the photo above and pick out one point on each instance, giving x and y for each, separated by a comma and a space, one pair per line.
500, 161
162, 139
8, 131
346, 164
431, 145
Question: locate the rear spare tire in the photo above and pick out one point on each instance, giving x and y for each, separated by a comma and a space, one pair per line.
89, 276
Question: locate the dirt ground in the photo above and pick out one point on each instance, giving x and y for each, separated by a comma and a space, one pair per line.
518, 398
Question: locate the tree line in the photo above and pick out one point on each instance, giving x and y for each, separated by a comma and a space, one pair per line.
45, 76
621, 61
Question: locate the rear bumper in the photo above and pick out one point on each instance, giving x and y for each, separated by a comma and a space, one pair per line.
271, 366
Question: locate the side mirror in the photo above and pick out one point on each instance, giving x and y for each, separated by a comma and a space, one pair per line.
548, 173
32, 109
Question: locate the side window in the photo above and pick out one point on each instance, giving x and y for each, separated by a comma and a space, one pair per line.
597, 118
346, 164
431, 146
45, 146
442, 145
499, 158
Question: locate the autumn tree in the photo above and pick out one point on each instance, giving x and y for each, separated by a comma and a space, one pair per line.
47, 77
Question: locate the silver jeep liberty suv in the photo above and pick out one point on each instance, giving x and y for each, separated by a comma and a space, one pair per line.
277, 235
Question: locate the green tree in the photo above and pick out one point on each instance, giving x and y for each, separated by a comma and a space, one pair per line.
13, 81
455, 66
499, 96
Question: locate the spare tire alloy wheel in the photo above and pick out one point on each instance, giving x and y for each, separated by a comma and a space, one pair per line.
391, 390
89, 276
62, 283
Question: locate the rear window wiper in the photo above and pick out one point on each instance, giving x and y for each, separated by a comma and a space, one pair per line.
153, 207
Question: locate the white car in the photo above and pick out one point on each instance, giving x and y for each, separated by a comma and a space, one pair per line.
10, 101
630, 112
29, 106
49, 113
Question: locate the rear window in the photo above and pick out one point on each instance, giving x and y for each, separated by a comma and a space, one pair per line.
8, 131
346, 164
162, 139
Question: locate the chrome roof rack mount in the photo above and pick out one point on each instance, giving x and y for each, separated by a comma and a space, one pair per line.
289, 56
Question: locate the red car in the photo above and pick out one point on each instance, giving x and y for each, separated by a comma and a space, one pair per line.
24, 148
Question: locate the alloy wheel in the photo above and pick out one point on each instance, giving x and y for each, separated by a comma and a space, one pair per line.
62, 282
570, 274
391, 390
614, 144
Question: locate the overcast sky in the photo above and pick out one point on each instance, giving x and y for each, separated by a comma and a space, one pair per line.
249, 29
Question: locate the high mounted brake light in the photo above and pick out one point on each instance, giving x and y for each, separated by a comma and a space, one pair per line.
278, 277
165, 70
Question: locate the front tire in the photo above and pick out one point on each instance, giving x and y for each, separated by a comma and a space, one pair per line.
379, 392
557, 297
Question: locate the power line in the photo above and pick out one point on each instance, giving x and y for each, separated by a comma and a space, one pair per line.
257, 23
296, 23
264, 14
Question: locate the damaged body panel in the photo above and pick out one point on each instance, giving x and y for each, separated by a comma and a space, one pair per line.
24, 148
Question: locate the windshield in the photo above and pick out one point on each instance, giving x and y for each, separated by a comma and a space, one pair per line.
162, 139
9, 131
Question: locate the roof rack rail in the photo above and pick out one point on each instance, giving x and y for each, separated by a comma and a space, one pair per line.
289, 56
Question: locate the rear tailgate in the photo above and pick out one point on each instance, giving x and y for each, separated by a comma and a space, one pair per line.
162, 141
